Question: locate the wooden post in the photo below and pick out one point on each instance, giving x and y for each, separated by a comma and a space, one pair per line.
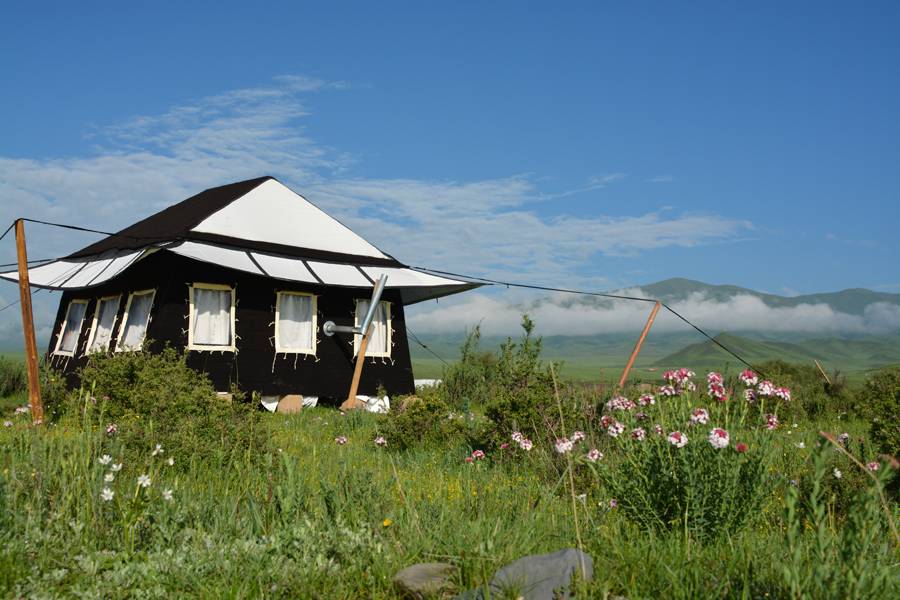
31, 359
351, 402
822, 371
640, 342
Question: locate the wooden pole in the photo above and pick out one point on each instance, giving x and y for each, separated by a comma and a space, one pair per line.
822, 371
351, 402
640, 342
31, 359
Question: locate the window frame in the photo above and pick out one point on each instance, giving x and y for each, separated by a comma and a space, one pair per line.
221, 287
279, 349
357, 338
62, 328
123, 324
96, 319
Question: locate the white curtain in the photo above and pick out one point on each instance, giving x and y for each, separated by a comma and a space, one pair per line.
106, 318
295, 323
378, 336
136, 325
211, 317
72, 329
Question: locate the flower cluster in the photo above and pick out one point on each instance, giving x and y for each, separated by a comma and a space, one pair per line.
783, 393
748, 378
716, 387
647, 400
766, 388
619, 403
340, 440
677, 439
771, 422
639, 434
112, 429
380, 441
523, 442
677, 381
718, 438
476, 455
593, 455
699, 416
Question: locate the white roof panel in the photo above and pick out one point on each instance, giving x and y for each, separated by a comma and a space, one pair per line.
339, 274
281, 267
227, 257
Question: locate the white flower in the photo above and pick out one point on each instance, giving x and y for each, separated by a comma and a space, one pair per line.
517, 436
718, 438
699, 416
800, 445
578, 436
340, 440
563, 445
837, 474
158, 450
170, 461
105, 459
380, 441
167, 495
525, 444
7, 423
616, 429
109, 477
116, 467
144, 481
594, 455
107, 494
639, 434
677, 439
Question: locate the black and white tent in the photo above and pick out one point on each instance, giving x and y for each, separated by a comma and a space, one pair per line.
241, 277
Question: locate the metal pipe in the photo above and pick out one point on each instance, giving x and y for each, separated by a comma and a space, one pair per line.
329, 328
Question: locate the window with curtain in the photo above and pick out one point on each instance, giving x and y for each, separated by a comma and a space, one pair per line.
104, 321
211, 324
67, 342
137, 317
295, 323
380, 334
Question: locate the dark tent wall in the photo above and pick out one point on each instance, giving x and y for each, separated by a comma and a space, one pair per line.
328, 374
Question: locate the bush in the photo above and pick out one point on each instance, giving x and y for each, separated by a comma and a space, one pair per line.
157, 399
881, 397
812, 395
471, 380
12, 377
427, 421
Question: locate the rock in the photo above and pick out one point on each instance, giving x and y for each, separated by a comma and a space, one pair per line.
539, 576
424, 579
291, 403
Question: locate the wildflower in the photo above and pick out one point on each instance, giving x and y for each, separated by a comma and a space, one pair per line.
714, 378
668, 391
647, 400
517, 437
615, 429
677, 439
783, 393
387, 523
116, 467
718, 438
504, 445
641, 416
699, 416
594, 455
800, 445
717, 391
144, 481
606, 421
613, 503
7, 423
109, 477
657, 429
619, 403
765, 388
873, 466
750, 395
771, 422
687, 386
578, 436
340, 440
167, 495
106, 494
478, 455
105, 459
564, 445
469, 459
21, 410
380, 441
837, 474
748, 377
170, 462
639, 434
525, 444
112, 429
740, 447
158, 450
844, 438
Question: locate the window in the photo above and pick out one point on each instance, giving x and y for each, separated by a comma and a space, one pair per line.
134, 324
295, 323
380, 334
104, 321
211, 323
67, 342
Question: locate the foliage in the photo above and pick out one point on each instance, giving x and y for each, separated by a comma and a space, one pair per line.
12, 377
812, 394
157, 399
470, 380
881, 396
426, 420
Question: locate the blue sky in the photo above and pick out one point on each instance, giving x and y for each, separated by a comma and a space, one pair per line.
593, 144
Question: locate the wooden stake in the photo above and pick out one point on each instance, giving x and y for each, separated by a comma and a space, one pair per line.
351, 402
640, 342
31, 359
822, 371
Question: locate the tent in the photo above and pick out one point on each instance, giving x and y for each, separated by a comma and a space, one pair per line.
241, 277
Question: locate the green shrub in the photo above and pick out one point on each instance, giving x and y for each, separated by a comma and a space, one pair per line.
471, 380
12, 377
881, 396
157, 399
427, 420
811, 394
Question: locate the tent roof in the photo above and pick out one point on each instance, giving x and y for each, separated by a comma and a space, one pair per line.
259, 226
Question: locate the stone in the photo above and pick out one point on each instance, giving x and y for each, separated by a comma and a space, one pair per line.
541, 576
424, 579
291, 403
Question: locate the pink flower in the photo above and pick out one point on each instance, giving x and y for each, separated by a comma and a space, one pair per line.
771, 422
616, 429
647, 400
717, 391
766, 388
740, 447
750, 395
639, 434
714, 378
606, 421
678, 439
699, 416
844, 438
873, 466
517, 436
657, 429
380, 441
668, 391
594, 455
112, 429
783, 393
525, 444
748, 377
340, 440
469, 459
613, 503
578, 436
619, 403
718, 438
504, 445
564, 445
477, 454
641, 416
